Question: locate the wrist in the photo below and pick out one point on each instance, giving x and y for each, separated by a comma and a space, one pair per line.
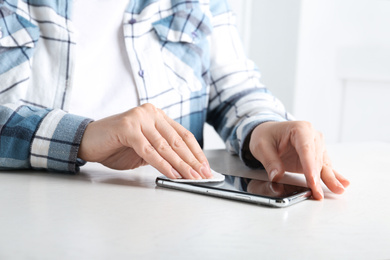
246, 153
57, 140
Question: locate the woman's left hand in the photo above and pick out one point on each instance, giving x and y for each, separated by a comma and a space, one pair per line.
295, 146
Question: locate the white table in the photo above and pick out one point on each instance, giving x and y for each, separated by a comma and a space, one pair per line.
106, 214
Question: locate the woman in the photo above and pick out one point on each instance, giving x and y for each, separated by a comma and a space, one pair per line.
183, 65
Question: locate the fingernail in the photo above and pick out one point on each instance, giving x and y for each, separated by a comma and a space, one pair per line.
177, 175
272, 174
206, 171
195, 174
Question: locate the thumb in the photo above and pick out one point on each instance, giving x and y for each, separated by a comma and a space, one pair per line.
267, 154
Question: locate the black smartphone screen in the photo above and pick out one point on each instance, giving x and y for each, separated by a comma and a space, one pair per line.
254, 187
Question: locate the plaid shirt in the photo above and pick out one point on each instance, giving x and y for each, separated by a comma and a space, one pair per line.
186, 57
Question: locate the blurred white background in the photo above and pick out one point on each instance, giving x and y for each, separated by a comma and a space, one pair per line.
327, 60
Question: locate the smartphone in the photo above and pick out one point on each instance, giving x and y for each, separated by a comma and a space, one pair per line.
244, 189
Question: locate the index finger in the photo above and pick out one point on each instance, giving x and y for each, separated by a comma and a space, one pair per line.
190, 141
303, 139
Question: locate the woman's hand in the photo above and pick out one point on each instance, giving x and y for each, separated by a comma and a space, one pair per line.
296, 146
145, 135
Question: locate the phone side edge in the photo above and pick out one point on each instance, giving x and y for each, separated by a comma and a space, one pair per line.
285, 202
213, 192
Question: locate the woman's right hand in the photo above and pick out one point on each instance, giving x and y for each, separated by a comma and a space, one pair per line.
144, 135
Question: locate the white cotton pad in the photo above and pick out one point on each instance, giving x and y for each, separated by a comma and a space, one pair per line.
217, 177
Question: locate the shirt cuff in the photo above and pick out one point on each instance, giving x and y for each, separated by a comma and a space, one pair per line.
57, 141
245, 153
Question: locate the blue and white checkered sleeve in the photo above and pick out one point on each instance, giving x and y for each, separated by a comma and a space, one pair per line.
40, 138
238, 101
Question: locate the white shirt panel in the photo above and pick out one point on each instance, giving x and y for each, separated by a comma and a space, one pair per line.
103, 82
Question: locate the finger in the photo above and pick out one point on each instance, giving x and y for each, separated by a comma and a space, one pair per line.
166, 151
304, 142
192, 144
146, 117
266, 152
341, 179
178, 146
330, 180
337, 178
145, 150
320, 152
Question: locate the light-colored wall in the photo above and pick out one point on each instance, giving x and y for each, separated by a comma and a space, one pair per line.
341, 42
327, 60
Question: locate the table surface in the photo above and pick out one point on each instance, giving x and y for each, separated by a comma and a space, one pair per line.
101, 214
